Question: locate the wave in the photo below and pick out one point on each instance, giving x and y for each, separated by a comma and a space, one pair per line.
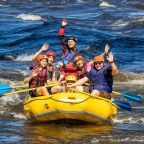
7, 57
106, 4
24, 57
120, 23
29, 17
18, 116
130, 77
134, 82
7, 75
130, 120
8, 104
3, 5
136, 139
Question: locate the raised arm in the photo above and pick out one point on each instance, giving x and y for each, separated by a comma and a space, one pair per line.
113, 65
43, 48
61, 34
105, 50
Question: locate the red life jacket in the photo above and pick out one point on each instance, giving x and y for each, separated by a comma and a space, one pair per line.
50, 70
40, 79
70, 69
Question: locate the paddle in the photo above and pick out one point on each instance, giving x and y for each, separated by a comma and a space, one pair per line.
4, 88
129, 96
123, 105
25, 90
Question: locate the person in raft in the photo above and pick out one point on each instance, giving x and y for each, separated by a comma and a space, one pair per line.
83, 66
51, 57
39, 78
100, 77
68, 52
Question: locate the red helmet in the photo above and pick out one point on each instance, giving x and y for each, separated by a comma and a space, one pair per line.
40, 57
51, 53
78, 58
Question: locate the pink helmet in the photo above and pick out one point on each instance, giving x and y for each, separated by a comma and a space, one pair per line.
51, 53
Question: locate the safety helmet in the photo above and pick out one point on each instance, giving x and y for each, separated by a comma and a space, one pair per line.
51, 53
40, 57
76, 58
98, 59
71, 78
72, 38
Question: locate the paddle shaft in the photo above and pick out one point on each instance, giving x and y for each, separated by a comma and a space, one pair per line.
122, 105
91, 95
25, 90
131, 97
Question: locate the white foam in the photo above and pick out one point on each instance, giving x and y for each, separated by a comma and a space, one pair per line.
120, 23
129, 139
106, 4
3, 5
80, 1
29, 17
130, 120
24, 57
19, 116
136, 82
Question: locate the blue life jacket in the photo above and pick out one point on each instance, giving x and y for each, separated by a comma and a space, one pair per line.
99, 81
68, 58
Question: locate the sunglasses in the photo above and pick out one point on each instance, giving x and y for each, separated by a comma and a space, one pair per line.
98, 63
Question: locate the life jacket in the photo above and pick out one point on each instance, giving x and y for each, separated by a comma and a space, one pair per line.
40, 79
70, 69
82, 72
50, 69
98, 80
68, 57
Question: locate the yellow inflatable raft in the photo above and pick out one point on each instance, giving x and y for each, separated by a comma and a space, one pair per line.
70, 105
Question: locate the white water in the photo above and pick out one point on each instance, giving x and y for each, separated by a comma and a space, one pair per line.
19, 116
24, 57
29, 17
106, 4
129, 120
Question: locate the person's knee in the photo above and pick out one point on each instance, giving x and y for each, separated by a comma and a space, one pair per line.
95, 92
56, 89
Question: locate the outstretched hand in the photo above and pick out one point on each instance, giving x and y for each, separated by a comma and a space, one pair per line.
45, 47
110, 57
64, 22
34, 72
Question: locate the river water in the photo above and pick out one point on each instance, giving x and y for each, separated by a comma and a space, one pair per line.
27, 24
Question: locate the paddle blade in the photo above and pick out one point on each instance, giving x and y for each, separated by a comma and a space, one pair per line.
132, 97
123, 105
4, 88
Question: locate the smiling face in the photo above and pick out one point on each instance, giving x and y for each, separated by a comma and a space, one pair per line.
80, 63
99, 65
71, 44
50, 59
43, 63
